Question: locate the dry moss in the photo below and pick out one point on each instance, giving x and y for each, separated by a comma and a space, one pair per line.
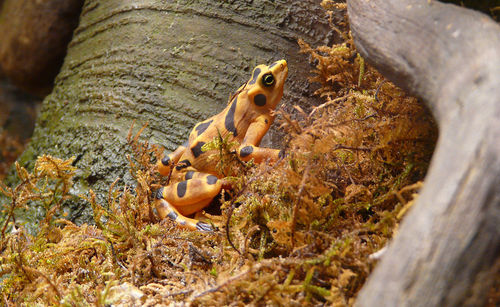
297, 232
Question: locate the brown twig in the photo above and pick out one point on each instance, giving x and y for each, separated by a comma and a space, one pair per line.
228, 237
250, 233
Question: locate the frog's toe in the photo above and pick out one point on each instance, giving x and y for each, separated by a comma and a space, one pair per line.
202, 226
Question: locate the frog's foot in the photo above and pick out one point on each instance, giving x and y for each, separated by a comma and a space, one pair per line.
165, 209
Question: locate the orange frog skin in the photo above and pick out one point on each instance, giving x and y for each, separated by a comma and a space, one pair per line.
246, 119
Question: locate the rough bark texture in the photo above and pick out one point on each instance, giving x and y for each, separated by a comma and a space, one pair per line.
447, 246
169, 63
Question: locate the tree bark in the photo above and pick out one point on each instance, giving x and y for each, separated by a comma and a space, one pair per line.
448, 247
169, 63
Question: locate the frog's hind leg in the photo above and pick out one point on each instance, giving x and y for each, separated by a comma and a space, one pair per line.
187, 197
165, 209
193, 194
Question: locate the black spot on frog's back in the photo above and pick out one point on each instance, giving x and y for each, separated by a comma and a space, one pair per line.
196, 149
203, 126
211, 179
229, 120
255, 75
189, 175
181, 188
260, 100
246, 151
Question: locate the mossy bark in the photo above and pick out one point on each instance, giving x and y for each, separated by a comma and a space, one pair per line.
169, 64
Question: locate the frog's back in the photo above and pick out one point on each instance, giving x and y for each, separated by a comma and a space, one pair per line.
253, 103
201, 134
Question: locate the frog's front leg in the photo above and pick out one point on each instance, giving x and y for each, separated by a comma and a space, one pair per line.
187, 197
165, 164
249, 147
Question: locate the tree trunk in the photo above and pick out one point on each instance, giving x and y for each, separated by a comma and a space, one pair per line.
169, 63
448, 246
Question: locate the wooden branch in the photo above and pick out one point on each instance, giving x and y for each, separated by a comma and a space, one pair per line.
449, 243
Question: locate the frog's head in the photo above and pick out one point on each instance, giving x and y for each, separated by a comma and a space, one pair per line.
265, 87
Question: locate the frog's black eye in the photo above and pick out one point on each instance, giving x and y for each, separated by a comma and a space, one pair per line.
268, 79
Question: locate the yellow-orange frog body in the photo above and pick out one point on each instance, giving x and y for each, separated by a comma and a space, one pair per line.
246, 119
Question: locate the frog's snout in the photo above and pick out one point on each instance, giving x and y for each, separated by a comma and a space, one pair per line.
280, 69
283, 65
